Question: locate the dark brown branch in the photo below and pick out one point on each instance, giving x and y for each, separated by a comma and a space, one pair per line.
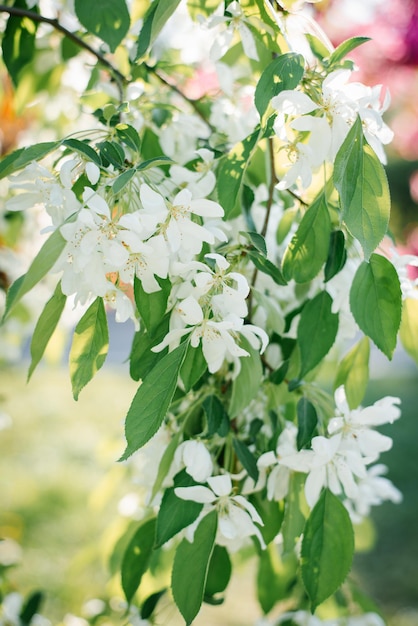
120, 79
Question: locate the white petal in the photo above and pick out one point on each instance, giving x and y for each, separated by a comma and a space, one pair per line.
197, 493
221, 485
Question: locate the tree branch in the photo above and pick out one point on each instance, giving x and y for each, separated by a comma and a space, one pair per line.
119, 78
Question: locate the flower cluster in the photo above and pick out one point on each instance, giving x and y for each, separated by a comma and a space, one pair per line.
313, 128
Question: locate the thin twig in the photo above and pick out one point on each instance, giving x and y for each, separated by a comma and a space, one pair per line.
120, 79
193, 103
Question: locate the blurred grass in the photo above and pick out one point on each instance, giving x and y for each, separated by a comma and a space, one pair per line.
60, 485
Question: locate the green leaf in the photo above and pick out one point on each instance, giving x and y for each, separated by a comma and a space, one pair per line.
165, 464
137, 557
142, 358
275, 576
155, 19
129, 136
317, 46
409, 327
111, 152
219, 572
246, 385
108, 19
376, 302
231, 172
83, 148
18, 44
120, 182
308, 250
284, 72
364, 192
267, 267
246, 458
175, 513
256, 240
30, 608
317, 330
307, 422
327, 548
193, 368
271, 512
150, 603
353, 373
152, 400
152, 306
190, 568
45, 327
40, 266
154, 162
346, 47
295, 512
89, 346
18, 159
217, 417
337, 255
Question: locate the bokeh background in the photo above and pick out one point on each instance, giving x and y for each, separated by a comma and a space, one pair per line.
64, 500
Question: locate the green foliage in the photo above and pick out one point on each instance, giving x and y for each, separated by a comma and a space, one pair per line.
18, 43
157, 15
193, 367
219, 572
308, 249
307, 422
191, 566
364, 193
246, 458
317, 330
284, 72
175, 513
18, 159
152, 306
247, 383
40, 266
376, 302
137, 557
327, 548
295, 513
45, 327
108, 19
89, 347
150, 404
231, 174
337, 255
353, 373
345, 48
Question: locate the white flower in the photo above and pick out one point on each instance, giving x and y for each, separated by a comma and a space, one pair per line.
10, 609
39, 186
200, 181
236, 516
179, 138
373, 489
327, 466
355, 425
118, 300
238, 22
196, 459
278, 478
